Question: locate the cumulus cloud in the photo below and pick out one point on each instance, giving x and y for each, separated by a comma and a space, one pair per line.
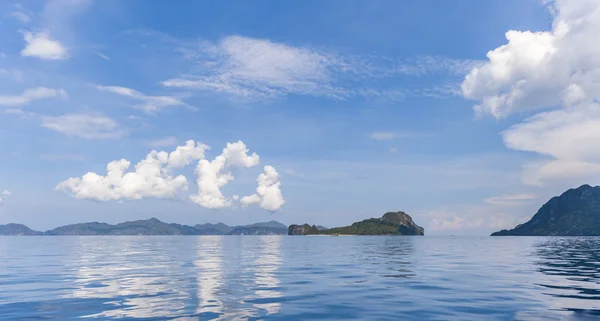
211, 176
149, 104
153, 177
254, 69
268, 193
558, 70
40, 45
542, 69
84, 126
31, 94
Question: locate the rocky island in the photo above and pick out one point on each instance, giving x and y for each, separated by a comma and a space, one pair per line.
574, 213
391, 223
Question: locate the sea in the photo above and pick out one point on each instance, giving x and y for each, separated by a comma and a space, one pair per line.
299, 278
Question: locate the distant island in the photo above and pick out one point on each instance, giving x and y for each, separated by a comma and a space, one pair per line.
391, 223
574, 213
151, 226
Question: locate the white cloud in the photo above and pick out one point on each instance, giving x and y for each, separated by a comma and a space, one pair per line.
63, 157
164, 142
21, 16
557, 69
461, 218
151, 178
40, 45
4, 195
568, 137
393, 150
150, 104
212, 175
268, 193
30, 95
13, 73
390, 135
85, 126
542, 69
435, 65
258, 69
249, 68
103, 56
510, 199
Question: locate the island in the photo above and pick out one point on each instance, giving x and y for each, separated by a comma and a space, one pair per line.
17, 229
151, 226
576, 212
391, 223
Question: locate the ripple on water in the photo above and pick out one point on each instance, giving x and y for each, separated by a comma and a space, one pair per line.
299, 278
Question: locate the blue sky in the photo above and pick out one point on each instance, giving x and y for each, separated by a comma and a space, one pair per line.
358, 108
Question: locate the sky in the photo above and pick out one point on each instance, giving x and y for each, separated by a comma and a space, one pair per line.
467, 115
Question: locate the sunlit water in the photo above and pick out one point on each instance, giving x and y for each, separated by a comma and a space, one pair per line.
299, 278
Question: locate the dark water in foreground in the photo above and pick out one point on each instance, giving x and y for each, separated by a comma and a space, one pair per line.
299, 278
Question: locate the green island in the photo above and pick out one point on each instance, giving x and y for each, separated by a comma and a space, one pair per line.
391, 223
576, 212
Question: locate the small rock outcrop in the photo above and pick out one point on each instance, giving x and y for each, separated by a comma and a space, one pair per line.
304, 229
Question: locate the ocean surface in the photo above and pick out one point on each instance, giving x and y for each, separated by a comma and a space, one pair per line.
299, 278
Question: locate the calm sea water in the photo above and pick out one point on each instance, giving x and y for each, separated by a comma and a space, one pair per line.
299, 278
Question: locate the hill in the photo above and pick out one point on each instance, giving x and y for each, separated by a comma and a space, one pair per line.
151, 226
17, 229
574, 213
391, 223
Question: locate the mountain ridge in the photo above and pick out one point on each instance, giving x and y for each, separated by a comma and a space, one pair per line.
151, 226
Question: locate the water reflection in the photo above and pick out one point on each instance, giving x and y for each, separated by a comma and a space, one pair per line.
394, 253
209, 262
572, 269
264, 256
131, 286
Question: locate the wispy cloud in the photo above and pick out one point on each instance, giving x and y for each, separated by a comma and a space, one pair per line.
259, 69
84, 126
21, 16
390, 135
510, 199
63, 157
16, 74
103, 56
149, 104
30, 95
164, 142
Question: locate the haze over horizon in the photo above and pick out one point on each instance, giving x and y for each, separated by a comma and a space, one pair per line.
466, 115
